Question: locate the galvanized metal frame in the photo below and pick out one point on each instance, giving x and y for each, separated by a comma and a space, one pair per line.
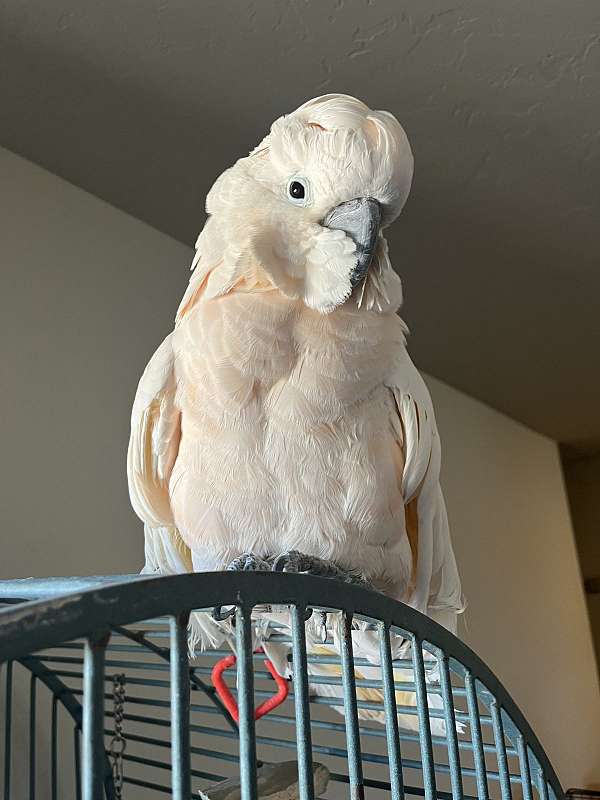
101, 604
61, 695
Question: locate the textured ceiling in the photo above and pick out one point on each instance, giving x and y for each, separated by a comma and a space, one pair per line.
145, 103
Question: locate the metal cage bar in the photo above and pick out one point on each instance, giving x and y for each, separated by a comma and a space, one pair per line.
180, 701
147, 618
391, 713
8, 729
450, 720
524, 767
498, 729
245, 678
424, 720
476, 737
351, 710
302, 708
93, 718
77, 761
542, 785
32, 734
54, 749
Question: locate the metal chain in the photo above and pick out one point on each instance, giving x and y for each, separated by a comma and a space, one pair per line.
117, 745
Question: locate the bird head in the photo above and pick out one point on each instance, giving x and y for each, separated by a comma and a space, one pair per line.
304, 213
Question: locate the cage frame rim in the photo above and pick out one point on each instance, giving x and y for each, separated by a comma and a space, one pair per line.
100, 603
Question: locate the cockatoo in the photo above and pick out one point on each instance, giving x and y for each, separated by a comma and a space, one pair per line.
282, 421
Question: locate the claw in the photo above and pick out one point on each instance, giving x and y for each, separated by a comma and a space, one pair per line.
294, 561
221, 613
248, 562
289, 562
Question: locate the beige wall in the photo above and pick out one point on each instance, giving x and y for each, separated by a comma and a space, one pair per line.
88, 292
513, 539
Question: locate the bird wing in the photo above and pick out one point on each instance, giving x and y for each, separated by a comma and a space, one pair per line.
153, 448
435, 583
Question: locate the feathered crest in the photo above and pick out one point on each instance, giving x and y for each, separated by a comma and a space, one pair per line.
254, 238
343, 118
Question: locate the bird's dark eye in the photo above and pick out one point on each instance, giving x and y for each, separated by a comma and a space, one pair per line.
297, 190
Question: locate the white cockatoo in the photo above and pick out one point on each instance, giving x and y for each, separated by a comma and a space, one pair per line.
283, 415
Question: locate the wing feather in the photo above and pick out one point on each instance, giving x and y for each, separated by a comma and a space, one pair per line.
153, 448
436, 588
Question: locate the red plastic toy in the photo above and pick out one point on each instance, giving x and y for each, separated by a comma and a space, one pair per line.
229, 701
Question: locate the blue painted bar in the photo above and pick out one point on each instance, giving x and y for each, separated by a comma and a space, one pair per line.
333, 680
410, 791
270, 741
97, 604
156, 682
391, 713
524, 767
152, 785
93, 762
328, 701
8, 729
32, 734
46, 588
292, 744
54, 749
180, 709
351, 711
370, 732
153, 762
245, 683
450, 719
77, 758
498, 729
301, 706
542, 785
373, 705
424, 723
476, 737
317, 679
201, 751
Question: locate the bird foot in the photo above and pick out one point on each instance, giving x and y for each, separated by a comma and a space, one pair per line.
248, 562
294, 561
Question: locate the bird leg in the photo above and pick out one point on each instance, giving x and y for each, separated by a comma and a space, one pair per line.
294, 561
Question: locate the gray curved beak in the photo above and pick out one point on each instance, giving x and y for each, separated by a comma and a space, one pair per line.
360, 219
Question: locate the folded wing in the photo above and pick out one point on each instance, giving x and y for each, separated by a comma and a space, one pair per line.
153, 448
435, 585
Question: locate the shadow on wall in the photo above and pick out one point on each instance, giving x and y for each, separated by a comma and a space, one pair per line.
582, 478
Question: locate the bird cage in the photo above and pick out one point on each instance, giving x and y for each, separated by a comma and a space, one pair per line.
103, 700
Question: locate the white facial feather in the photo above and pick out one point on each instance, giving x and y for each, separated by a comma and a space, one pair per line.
339, 150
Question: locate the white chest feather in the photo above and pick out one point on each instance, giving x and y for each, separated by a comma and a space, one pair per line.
287, 440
